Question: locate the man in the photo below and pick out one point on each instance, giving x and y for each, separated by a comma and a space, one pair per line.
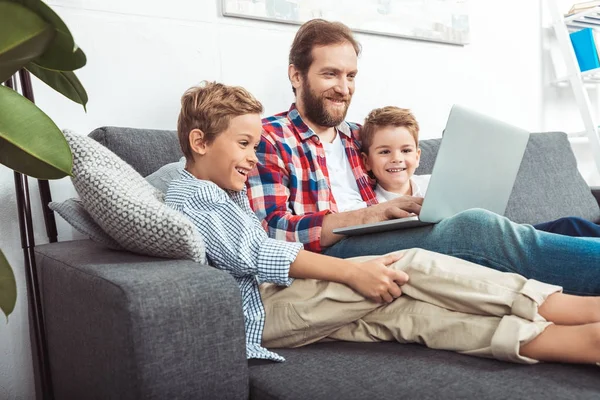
293, 193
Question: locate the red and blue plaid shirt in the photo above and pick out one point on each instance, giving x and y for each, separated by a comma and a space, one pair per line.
289, 190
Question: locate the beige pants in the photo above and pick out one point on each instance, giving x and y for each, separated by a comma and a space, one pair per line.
448, 304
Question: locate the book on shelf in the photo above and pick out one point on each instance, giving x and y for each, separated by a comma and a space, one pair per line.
585, 48
579, 7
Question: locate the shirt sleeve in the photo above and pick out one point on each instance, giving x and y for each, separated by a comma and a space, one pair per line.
269, 186
234, 243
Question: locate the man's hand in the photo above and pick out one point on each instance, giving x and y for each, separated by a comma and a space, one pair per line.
375, 281
400, 207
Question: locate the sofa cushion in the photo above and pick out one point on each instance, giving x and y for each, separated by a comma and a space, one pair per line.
127, 207
548, 185
161, 179
73, 211
349, 371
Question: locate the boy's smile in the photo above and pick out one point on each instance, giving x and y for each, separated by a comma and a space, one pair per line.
229, 158
393, 157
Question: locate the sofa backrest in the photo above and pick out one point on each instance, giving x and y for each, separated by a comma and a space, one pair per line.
548, 185
146, 150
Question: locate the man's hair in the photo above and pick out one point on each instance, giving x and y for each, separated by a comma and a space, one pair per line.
318, 32
210, 107
384, 117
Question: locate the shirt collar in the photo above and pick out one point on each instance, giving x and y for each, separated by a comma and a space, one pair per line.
232, 193
305, 132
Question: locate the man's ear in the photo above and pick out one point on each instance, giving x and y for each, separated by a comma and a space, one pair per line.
295, 76
365, 159
197, 142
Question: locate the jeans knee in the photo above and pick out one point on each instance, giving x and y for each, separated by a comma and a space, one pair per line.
477, 218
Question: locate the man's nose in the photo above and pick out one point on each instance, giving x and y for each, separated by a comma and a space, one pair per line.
343, 87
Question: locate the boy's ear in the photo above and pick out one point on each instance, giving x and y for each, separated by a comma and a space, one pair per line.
295, 76
197, 142
418, 156
365, 159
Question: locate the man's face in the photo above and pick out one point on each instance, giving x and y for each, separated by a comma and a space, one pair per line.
325, 92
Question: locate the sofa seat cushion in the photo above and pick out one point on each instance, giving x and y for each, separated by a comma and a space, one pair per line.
342, 370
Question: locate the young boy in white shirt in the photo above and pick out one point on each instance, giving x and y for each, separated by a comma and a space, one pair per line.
391, 153
480, 311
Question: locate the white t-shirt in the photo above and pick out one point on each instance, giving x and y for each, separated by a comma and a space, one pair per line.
418, 185
343, 183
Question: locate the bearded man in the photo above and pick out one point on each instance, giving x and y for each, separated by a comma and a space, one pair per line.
310, 179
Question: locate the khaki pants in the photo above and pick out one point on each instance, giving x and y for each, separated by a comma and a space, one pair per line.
448, 304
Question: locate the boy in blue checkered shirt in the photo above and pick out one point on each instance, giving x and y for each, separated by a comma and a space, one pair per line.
482, 312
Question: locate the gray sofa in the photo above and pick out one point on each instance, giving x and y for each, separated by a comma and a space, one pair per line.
127, 326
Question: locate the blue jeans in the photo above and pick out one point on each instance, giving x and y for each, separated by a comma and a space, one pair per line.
488, 239
571, 226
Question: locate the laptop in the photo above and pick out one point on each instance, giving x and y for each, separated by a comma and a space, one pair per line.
476, 167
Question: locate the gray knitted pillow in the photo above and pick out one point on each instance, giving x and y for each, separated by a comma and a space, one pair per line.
75, 214
127, 207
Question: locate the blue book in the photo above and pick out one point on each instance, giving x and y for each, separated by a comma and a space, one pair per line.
585, 49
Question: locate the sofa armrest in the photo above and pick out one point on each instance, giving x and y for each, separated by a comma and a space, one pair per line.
596, 193
125, 326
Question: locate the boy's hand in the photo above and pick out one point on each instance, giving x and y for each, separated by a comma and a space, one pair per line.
375, 281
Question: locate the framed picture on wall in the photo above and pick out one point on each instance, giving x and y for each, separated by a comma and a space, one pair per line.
445, 21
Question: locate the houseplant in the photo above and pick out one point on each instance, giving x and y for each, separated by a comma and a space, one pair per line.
34, 38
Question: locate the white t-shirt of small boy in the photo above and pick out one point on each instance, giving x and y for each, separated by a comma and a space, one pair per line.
418, 184
343, 183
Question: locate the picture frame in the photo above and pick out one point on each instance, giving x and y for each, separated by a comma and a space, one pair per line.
444, 21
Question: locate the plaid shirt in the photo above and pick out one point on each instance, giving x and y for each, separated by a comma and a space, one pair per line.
236, 243
289, 190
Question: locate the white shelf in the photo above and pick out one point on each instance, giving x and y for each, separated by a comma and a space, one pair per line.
591, 76
585, 19
574, 78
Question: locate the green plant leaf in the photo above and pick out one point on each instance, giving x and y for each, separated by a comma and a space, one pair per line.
62, 54
8, 287
30, 142
23, 37
64, 82
48, 15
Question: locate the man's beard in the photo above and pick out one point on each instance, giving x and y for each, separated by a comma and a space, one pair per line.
315, 109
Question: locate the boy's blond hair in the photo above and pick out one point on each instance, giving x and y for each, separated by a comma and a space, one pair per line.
387, 116
209, 107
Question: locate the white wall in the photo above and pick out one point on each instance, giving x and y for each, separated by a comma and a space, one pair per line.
143, 54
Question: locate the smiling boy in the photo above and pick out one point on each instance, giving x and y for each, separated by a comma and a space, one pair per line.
391, 153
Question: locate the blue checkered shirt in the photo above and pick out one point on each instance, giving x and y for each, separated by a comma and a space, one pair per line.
236, 242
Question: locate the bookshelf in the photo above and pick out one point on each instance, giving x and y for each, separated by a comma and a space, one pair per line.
578, 81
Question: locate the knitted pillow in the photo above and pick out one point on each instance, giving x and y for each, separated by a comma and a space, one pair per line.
127, 207
75, 214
